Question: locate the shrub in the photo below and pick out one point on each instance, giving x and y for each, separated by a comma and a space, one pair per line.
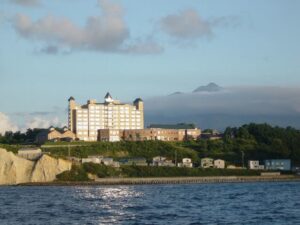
77, 173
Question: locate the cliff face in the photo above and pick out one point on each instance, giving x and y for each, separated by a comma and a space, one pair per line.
46, 168
16, 170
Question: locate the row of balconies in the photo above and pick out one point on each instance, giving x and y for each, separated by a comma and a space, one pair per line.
109, 115
85, 122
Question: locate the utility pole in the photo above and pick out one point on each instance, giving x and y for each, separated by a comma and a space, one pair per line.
243, 155
175, 157
69, 150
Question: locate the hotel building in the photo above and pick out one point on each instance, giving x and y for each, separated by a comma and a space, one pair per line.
87, 120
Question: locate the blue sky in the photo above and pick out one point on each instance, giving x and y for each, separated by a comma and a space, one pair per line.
48, 53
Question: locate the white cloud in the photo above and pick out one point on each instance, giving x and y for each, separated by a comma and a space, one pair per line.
39, 122
26, 2
187, 24
147, 46
50, 49
105, 33
39, 119
6, 124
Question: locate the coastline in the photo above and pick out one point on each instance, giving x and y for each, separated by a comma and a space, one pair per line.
168, 180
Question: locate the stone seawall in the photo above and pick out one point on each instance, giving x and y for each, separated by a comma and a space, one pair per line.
172, 180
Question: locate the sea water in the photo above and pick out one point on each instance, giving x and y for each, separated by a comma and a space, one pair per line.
231, 203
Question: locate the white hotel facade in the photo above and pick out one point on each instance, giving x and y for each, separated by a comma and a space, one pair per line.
87, 120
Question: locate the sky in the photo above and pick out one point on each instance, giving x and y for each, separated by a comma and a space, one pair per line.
50, 50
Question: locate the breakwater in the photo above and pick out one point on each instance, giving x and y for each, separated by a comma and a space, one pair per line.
173, 180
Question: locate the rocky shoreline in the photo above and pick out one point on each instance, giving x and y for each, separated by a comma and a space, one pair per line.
169, 180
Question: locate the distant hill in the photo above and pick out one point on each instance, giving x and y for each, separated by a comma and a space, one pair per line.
211, 87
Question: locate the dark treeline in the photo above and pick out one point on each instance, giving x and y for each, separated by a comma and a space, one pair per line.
254, 141
18, 137
275, 142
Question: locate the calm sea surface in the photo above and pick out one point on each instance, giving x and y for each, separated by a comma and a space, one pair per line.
242, 203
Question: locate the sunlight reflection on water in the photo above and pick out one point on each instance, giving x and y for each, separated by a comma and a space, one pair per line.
114, 200
107, 193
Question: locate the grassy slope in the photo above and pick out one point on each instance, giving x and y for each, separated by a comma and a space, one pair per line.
79, 173
14, 147
147, 149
